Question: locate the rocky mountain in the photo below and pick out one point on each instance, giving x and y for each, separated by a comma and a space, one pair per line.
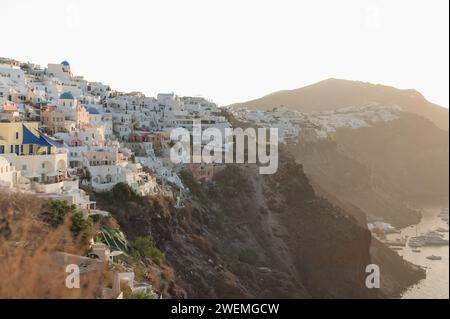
334, 94
369, 146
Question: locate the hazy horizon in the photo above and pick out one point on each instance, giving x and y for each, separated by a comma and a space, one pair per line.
231, 51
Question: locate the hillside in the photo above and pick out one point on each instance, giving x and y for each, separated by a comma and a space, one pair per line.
247, 235
243, 236
333, 94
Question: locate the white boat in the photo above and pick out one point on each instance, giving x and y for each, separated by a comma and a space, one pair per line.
434, 257
417, 241
416, 250
442, 230
435, 239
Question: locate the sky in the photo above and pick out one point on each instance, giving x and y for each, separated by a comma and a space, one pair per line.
235, 50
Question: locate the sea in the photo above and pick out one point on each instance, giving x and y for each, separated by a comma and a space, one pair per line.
435, 285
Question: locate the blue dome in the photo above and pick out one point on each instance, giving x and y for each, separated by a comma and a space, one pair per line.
93, 110
65, 63
67, 96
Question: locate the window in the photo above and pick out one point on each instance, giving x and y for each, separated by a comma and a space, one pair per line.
43, 165
17, 135
24, 167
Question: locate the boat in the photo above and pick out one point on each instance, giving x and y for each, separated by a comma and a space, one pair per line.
442, 230
417, 241
399, 242
416, 250
433, 238
434, 257
396, 248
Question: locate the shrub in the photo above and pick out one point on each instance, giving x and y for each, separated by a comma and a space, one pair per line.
79, 224
55, 211
248, 256
141, 294
122, 192
146, 249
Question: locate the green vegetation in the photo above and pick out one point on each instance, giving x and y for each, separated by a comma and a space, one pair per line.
141, 294
55, 212
145, 248
248, 256
114, 238
122, 192
25, 67
120, 195
79, 224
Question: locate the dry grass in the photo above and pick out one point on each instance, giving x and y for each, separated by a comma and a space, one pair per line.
28, 268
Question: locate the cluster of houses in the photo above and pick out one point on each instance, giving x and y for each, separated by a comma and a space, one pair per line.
294, 125
59, 131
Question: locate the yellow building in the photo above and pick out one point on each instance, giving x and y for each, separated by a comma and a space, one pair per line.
31, 152
23, 138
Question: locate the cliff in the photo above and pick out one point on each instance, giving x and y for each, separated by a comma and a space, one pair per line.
248, 235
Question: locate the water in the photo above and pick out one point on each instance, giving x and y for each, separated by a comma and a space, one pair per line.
435, 285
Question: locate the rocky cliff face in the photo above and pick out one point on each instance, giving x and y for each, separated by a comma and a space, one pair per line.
336, 175
248, 235
379, 168
410, 153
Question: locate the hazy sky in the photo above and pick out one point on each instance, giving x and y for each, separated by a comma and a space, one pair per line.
235, 50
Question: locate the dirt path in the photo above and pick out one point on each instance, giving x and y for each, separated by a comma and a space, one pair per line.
275, 231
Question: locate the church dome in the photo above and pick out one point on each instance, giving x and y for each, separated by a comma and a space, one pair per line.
67, 96
93, 111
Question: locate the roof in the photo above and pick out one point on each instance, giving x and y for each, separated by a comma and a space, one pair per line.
30, 138
92, 110
67, 96
65, 63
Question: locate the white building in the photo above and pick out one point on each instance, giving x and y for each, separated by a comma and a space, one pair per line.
60, 71
8, 174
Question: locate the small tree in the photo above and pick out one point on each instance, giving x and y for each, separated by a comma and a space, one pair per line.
55, 211
145, 248
79, 223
